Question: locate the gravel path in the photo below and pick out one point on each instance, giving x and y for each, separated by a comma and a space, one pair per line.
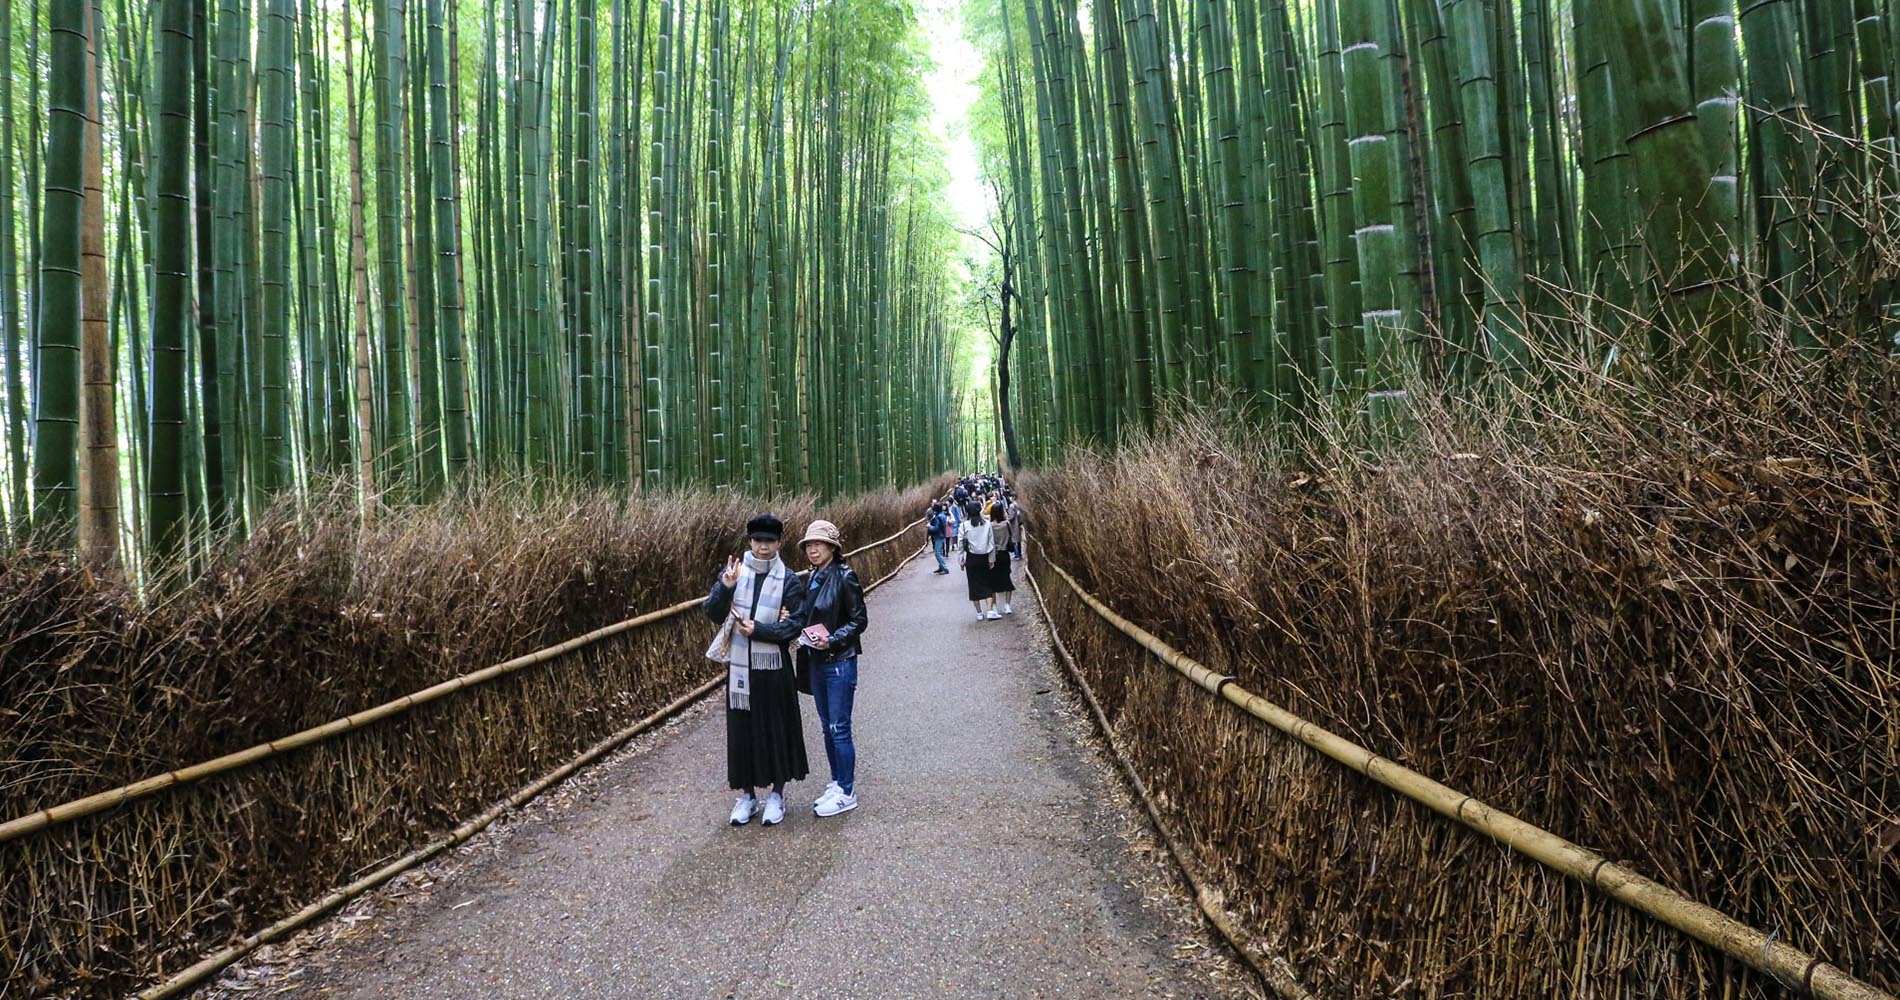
992, 855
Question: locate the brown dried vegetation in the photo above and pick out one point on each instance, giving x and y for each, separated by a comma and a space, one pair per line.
312, 619
1656, 617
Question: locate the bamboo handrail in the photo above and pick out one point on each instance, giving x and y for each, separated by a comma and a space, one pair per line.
1788, 964
204, 967
100, 801
1279, 979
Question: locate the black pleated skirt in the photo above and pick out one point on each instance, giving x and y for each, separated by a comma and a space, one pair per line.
976, 569
999, 576
766, 745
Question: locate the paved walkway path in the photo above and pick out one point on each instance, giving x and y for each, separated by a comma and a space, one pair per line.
990, 856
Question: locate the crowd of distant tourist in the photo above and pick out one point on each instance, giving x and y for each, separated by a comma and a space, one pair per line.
781, 636
982, 523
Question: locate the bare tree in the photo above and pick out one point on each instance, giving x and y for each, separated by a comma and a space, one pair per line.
1001, 322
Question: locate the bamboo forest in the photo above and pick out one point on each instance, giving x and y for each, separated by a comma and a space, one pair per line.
1443, 449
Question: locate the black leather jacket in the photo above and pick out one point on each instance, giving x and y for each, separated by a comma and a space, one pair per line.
835, 599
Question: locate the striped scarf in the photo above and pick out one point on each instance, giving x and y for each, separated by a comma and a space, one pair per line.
745, 655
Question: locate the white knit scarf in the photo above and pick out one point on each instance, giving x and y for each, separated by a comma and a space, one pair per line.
747, 656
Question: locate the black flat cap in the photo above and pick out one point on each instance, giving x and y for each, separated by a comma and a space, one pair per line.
765, 526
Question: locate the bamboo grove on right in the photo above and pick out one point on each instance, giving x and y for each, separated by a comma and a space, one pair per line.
1331, 200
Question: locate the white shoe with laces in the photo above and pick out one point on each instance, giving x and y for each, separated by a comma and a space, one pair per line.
831, 792
1008, 610
845, 802
774, 812
994, 614
743, 809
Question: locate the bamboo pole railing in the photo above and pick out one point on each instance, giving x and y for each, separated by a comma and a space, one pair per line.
223, 957
1762, 952
1274, 972
100, 801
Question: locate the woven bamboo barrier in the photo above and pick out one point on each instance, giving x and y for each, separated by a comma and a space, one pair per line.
1761, 951
1272, 971
68, 811
224, 957
293, 633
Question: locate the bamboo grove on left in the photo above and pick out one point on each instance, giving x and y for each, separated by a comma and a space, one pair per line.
249, 246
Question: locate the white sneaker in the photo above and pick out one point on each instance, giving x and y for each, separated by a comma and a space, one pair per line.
774, 810
980, 616
1008, 610
743, 809
832, 791
845, 802
994, 614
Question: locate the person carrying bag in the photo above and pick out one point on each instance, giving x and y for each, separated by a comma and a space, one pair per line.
835, 617
979, 561
760, 607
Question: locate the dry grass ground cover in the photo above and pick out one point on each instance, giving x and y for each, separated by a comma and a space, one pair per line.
1654, 617
312, 619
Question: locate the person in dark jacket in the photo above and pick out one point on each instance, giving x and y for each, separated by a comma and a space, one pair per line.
938, 528
835, 601
761, 607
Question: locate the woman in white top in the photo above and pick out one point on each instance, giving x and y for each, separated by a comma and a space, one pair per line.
978, 549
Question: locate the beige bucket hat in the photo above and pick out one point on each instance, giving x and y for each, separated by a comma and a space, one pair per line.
823, 531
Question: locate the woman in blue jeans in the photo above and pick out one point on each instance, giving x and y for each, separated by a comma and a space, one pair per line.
834, 599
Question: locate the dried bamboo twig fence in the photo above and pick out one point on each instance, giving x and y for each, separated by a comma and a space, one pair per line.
98, 802
1273, 971
1789, 965
224, 957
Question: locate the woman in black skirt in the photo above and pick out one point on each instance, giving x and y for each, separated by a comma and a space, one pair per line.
979, 560
1002, 541
761, 607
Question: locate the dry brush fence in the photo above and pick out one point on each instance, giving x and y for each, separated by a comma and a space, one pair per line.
310, 621
1665, 630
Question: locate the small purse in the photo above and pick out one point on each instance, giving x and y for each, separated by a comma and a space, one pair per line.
801, 670
720, 650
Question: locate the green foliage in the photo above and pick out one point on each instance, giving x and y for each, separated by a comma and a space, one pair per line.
1315, 201
615, 241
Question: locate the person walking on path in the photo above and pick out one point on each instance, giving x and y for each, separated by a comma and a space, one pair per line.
761, 608
979, 561
1002, 541
938, 529
1015, 521
834, 619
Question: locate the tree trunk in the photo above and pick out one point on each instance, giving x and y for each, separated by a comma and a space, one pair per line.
98, 419
359, 286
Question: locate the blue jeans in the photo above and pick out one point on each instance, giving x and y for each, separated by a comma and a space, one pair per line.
834, 686
937, 547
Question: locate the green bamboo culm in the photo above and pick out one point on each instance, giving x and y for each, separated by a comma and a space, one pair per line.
56, 355
173, 322
542, 256
12, 365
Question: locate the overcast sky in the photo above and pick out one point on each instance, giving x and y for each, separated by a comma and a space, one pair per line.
952, 88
